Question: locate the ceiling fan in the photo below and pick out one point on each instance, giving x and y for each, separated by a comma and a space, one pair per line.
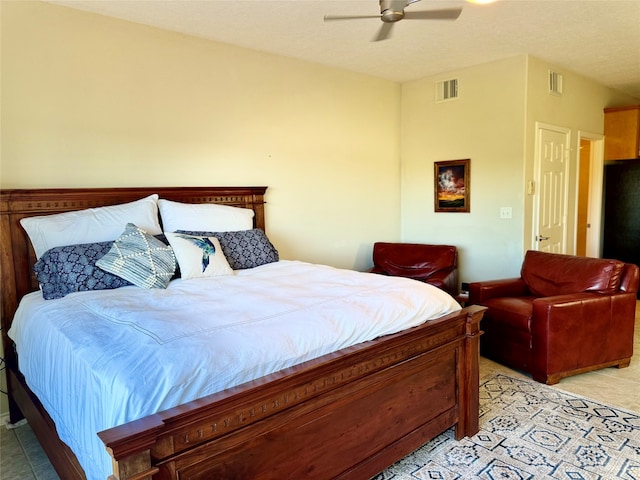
392, 11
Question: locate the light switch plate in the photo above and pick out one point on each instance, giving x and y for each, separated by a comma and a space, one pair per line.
505, 212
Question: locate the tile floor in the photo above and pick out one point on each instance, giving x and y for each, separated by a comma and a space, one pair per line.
21, 457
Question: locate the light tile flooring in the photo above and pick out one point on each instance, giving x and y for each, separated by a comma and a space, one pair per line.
21, 457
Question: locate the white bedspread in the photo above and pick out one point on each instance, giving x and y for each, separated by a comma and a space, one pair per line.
100, 359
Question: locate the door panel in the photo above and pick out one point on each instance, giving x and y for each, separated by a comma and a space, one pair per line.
552, 168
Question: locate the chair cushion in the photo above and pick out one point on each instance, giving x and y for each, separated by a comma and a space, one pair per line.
516, 312
549, 274
413, 260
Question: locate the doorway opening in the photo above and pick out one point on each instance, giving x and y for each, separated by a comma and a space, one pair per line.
589, 195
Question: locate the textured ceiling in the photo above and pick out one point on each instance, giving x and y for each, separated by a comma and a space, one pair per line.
599, 39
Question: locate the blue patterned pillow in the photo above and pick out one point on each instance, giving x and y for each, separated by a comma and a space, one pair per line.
244, 248
72, 268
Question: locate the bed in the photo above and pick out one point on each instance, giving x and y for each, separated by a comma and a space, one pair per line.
348, 413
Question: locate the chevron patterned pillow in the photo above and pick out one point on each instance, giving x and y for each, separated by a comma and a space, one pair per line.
140, 258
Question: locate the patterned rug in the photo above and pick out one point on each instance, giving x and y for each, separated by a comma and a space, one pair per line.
531, 431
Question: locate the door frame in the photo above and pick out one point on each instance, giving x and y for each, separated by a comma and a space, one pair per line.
596, 179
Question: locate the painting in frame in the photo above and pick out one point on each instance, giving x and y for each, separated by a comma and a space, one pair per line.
452, 186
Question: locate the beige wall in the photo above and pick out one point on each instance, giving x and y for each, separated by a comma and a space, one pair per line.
93, 101
486, 125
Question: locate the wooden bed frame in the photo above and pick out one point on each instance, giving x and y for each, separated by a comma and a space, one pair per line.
349, 414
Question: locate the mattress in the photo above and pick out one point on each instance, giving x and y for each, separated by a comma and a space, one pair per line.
102, 358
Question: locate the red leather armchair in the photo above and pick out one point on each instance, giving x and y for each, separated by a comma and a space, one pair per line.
433, 264
565, 315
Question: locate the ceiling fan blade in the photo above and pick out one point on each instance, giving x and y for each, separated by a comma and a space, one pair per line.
446, 14
397, 5
328, 18
383, 33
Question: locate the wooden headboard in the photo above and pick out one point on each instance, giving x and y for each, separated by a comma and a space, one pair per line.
17, 256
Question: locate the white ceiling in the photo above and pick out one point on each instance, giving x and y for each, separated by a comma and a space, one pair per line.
599, 39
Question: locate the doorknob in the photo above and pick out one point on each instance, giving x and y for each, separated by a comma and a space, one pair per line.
541, 238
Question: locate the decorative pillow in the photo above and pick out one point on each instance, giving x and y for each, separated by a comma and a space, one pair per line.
204, 217
140, 258
72, 268
199, 255
91, 225
245, 248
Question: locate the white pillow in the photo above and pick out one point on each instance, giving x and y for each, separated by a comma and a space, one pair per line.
198, 256
208, 217
92, 225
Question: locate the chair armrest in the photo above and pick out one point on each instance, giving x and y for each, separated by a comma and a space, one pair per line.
571, 331
582, 311
446, 280
630, 278
506, 287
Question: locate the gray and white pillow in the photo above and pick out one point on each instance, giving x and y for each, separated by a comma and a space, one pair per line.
140, 258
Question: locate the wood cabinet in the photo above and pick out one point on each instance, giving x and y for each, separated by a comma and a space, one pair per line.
622, 133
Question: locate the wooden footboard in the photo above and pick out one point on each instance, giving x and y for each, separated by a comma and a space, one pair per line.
345, 415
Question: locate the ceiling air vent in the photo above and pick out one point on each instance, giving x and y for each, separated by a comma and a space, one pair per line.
447, 90
555, 83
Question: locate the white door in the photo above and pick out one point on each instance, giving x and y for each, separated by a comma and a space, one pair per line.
552, 167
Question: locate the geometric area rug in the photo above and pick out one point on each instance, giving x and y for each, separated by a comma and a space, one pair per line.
531, 431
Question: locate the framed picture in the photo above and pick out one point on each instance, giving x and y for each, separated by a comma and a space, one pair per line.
452, 184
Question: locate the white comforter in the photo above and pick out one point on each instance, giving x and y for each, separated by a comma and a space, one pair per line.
100, 359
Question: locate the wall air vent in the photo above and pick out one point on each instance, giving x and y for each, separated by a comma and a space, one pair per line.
447, 90
555, 83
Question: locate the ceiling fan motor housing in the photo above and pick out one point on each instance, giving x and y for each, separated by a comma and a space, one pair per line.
388, 13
